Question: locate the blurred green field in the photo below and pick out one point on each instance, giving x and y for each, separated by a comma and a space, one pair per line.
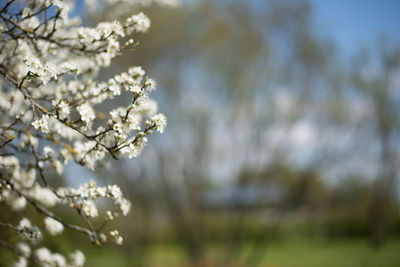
299, 252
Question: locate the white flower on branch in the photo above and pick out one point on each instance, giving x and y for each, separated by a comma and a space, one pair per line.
43, 195
16, 203
77, 259
160, 122
89, 208
139, 23
54, 227
24, 249
22, 262
62, 107
42, 124
150, 84
87, 113
45, 258
116, 237
29, 231
49, 69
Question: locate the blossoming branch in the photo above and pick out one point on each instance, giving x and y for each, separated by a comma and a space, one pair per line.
50, 92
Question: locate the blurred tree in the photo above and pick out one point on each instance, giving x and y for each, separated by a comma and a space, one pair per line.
376, 79
251, 91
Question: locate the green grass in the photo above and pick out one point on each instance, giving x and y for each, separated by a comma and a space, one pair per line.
289, 253
343, 253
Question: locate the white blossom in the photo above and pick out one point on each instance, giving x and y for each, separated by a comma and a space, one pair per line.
89, 208
22, 262
109, 216
160, 121
24, 249
17, 204
28, 231
116, 237
77, 259
53, 226
45, 258
139, 23
43, 195
86, 112
150, 84
62, 107
42, 124
50, 99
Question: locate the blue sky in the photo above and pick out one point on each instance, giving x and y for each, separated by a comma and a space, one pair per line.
357, 22
352, 23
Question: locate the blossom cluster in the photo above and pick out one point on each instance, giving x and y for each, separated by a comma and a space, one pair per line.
49, 100
86, 196
48, 259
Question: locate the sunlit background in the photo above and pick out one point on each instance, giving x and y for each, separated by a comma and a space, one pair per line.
283, 137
